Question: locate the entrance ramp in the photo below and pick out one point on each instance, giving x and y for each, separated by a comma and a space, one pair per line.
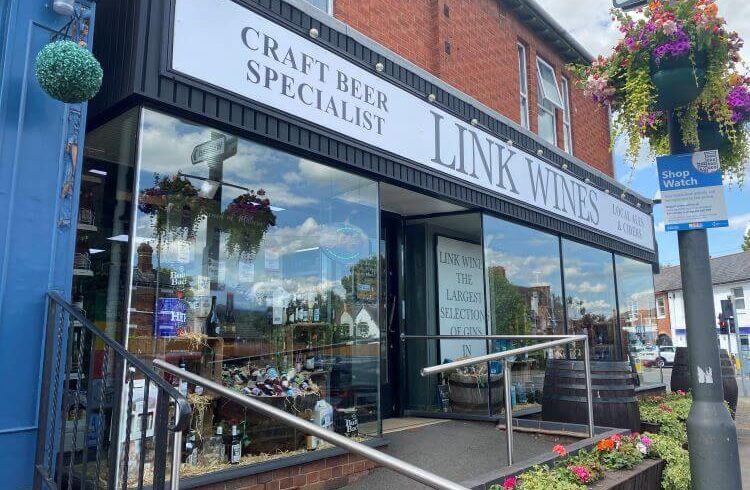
454, 449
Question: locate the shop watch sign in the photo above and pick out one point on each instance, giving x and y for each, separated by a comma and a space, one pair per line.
269, 64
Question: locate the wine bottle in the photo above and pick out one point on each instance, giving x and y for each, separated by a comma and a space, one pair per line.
235, 452
183, 387
213, 326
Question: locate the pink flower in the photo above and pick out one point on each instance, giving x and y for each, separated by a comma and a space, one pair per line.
681, 392
616, 437
559, 450
669, 27
510, 483
646, 441
581, 472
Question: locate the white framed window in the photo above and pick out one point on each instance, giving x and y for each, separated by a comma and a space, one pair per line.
738, 294
549, 89
546, 119
567, 128
661, 308
523, 86
324, 5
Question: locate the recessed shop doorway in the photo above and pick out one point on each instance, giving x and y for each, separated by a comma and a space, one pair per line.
414, 228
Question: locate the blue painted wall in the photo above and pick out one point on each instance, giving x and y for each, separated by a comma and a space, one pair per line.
36, 239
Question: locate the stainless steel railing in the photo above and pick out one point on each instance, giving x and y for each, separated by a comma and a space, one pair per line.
503, 356
397, 465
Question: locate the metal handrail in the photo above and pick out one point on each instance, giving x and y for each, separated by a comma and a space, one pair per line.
397, 465
503, 356
184, 410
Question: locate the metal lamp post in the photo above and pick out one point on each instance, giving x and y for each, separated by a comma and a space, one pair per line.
712, 436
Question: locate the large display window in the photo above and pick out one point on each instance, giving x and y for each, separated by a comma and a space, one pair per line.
590, 298
524, 291
638, 327
251, 267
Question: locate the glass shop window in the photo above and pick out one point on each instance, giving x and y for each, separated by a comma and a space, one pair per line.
524, 290
638, 313
259, 270
590, 298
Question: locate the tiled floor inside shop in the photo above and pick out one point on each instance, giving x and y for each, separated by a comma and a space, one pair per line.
457, 450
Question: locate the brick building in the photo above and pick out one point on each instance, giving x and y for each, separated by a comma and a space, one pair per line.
475, 46
320, 177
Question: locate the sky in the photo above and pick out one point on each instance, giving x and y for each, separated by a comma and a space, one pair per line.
590, 23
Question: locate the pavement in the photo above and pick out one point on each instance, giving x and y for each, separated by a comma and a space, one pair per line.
742, 421
455, 449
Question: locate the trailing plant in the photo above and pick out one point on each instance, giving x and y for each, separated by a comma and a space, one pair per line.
175, 206
247, 219
670, 412
676, 475
663, 35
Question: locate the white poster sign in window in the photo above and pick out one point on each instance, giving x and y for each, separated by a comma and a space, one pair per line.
461, 303
267, 63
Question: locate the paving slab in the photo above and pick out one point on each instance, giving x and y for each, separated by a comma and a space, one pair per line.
457, 450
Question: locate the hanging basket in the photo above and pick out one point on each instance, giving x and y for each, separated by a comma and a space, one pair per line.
677, 80
68, 72
710, 136
246, 221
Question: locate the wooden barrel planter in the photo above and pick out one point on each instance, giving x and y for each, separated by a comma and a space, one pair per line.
613, 389
681, 375
469, 393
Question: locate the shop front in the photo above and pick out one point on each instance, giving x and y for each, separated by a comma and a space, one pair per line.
275, 218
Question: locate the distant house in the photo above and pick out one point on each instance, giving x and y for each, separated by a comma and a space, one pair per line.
730, 276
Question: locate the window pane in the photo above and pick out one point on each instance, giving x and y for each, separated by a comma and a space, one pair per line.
524, 112
638, 325
590, 298
271, 262
524, 290
548, 82
546, 125
522, 70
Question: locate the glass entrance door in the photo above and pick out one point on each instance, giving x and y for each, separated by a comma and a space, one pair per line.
390, 318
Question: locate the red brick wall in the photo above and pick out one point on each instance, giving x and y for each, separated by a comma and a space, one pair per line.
483, 60
324, 474
663, 324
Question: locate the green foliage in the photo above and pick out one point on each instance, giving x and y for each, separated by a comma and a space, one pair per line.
68, 72
676, 475
509, 307
688, 32
746, 241
670, 413
544, 478
624, 458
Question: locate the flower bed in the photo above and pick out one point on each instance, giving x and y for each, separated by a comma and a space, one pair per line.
600, 466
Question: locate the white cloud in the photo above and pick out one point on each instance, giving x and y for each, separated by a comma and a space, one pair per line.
587, 287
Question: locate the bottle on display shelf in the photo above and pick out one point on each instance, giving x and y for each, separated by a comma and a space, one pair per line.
213, 326
235, 447
190, 453
183, 386
215, 452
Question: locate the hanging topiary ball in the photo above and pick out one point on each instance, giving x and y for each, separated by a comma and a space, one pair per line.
68, 72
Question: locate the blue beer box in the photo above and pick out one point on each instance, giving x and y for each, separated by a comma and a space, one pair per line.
171, 316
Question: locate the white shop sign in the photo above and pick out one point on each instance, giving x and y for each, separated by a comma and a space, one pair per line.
231, 47
461, 304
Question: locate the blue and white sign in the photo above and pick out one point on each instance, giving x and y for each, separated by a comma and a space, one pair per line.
171, 316
692, 191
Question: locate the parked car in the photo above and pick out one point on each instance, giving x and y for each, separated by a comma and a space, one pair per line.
658, 357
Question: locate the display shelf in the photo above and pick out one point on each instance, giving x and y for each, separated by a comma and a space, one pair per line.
91, 178
85, 227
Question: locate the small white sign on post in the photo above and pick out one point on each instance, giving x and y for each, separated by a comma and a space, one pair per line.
461, 303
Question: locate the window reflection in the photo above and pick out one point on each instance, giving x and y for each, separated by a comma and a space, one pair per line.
635, 289
259, 269
590, 298
524, 288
